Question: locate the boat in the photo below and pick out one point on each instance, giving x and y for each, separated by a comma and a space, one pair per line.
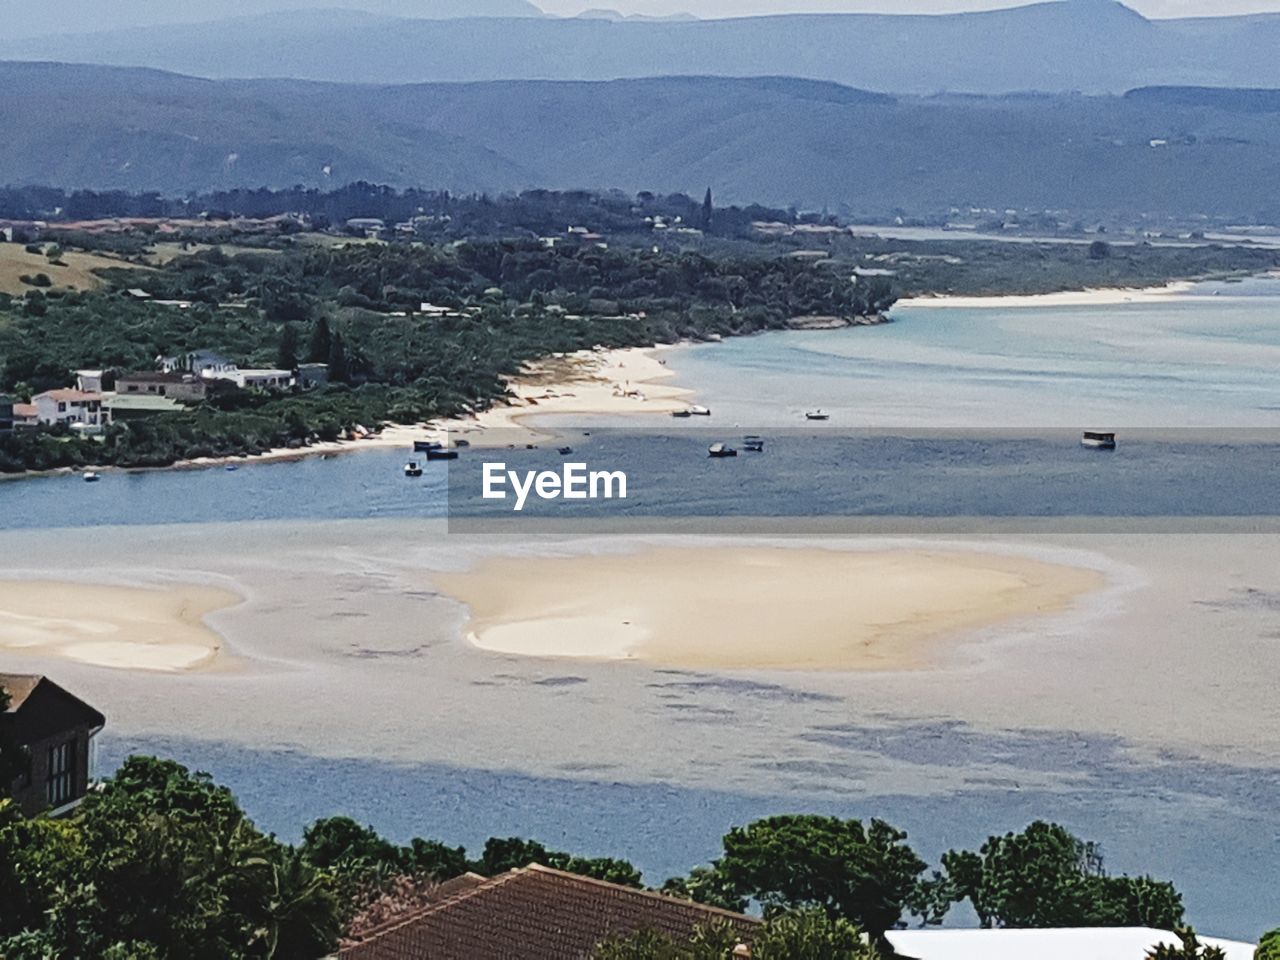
461, 443
753, 444
682, 414
231, 468
91, 477
423, 446
719, 450
413, 469
1098, 441
565, 451
697, 411
440, 453
817, 415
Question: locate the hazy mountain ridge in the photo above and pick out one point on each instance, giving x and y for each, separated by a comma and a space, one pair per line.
1086, 45
774, 140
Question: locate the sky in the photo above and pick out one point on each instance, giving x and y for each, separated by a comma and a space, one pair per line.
726, 8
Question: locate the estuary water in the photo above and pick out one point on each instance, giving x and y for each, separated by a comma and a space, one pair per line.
1147, 722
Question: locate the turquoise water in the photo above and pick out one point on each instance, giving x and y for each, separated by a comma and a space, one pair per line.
1208, 359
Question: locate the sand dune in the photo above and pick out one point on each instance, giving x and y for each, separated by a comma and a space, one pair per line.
137, 628
748, 608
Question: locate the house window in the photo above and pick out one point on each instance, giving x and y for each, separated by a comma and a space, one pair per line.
62, 408
62, 774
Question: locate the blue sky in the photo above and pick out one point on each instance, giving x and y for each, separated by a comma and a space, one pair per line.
722, 8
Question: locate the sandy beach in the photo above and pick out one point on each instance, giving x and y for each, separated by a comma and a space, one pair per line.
756, 608
1109, 296
134, 628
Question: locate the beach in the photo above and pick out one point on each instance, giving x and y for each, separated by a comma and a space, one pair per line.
151, 629
730, 608
1101, 297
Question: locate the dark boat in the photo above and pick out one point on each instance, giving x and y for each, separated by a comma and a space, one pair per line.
440, 453
425, 446
719, 450
682, 414
753, 444
565, 451
1098, 441
461, 443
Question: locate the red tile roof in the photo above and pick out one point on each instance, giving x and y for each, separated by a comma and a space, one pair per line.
70, 396
536, 914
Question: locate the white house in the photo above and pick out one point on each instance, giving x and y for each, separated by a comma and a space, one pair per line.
1118, 943
90, 381
254, 379
74, 407
199, 362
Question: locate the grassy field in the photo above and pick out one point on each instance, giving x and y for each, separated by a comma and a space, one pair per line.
77, 274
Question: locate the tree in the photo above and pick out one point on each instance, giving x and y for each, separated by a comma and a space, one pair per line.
287, 354
1268, 946
1047, 877
706, 885
321, 343
512, 853
708, 212
339, 368
1190, 948
799, 935
863, 874
1099, 250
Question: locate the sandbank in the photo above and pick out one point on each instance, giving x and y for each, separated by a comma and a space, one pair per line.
776, 608
135, 628
1068, 298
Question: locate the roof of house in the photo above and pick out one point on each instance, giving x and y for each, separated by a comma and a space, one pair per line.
69, 396
39, 708
142, 403
25, 411
154, 376
1117, 943
535, 913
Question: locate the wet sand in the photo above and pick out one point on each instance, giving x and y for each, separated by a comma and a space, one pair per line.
129, 628
764, 608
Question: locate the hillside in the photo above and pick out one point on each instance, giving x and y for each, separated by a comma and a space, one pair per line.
771, 140
1092, 46
31, 18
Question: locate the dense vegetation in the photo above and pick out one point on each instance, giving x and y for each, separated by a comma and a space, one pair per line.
354, 307
162, 864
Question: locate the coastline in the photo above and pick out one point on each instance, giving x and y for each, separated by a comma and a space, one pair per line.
1093, 297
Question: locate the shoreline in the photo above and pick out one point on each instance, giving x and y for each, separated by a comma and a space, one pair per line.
1089, 297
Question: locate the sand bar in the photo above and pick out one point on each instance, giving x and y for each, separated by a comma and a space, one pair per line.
135, 628
776, 608
1110, 296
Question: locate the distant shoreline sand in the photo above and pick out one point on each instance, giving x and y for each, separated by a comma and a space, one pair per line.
768, 608
1098, 297
160, 629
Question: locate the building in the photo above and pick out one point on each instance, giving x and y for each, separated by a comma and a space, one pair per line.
6, 414
534, 914
25, 415
92, 381
197, 362
310, 375
72, 407
255, 379
57, 730
370, 227
122, 408
1116, 943
183, 387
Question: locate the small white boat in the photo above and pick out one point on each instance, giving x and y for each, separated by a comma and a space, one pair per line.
413, 469
719, 450
817, 415
91, 476
697, 411
1096, 440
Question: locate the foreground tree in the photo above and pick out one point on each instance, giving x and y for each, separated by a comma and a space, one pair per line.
863, 874
1268, 946
801, 935
1047, 877
1190, 949
511, 853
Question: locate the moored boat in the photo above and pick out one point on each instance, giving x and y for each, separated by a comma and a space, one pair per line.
413, 469
753, 444
565, 451
440, 453
423, 446
817, 415
682, 414
1096, 440
91, 476
697, 411
719, 450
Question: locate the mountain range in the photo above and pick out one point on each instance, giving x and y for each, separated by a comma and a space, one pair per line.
1092, 46
783, 141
